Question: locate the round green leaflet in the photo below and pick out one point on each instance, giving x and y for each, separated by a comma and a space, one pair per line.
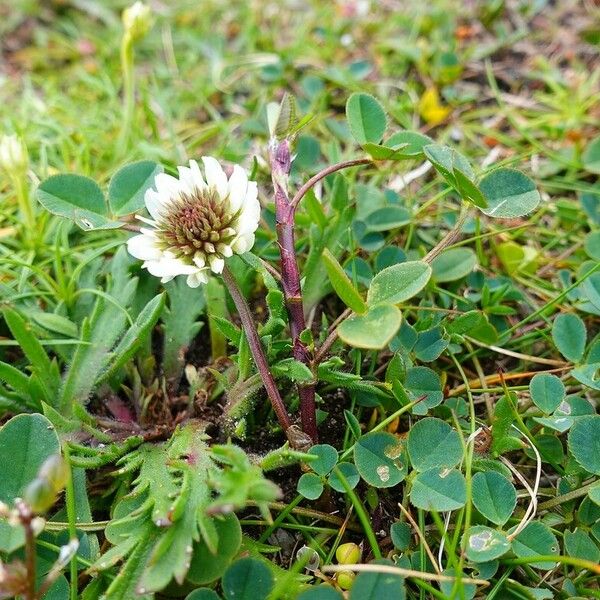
203, 594
320, 592
594, 494
570, 410
588, 512
247, 579
536, 539
310, 486
366, 118
425, 385
509, 194
400, 532
373, 330
439, 489
379, 458
550, 448
547, 392
29, 440
326, 455
388, 217
569, 335
592, 245
483, 544
494, 496
398, 283
485, 570
591, 156
416, 142
206, 566
453, 264
129, 184
584, 443
469, 589
376, 586
432, 443
77, 198
349, 472
580, 545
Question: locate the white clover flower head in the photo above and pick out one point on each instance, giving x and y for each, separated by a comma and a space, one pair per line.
13, 153
137, 19
197, 222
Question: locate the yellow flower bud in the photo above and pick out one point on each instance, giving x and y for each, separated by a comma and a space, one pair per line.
348, 554
345, 579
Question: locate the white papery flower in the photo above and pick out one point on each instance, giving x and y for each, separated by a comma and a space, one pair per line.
137, 20
13, 153
197, 221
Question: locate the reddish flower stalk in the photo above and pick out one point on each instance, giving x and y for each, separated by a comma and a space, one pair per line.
257, 352
285, 210
290, 279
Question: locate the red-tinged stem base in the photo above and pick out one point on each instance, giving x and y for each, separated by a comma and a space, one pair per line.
257, 350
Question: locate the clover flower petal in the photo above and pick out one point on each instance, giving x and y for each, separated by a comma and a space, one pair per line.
198, 220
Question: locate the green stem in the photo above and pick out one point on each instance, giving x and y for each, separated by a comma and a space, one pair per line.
468, 455
361, 513
566, 560
25, 206
552, 302
382, 425
71, 518
128, 88
449, 238
280, 518
82, 561
582, 491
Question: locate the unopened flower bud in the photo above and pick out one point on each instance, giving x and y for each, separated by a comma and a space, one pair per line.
39, 495
55, 471
37, 525
345, 579
348, 554
67, 552
137, 20
13, 154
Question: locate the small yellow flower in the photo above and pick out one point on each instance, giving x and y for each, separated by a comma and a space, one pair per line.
431, 109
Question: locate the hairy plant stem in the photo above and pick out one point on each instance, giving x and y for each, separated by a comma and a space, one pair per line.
258, 353
281, 163
324, 173
448, 239
26, 517
285, 210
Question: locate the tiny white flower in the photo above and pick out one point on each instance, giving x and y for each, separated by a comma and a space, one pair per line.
13, 153
198, 221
